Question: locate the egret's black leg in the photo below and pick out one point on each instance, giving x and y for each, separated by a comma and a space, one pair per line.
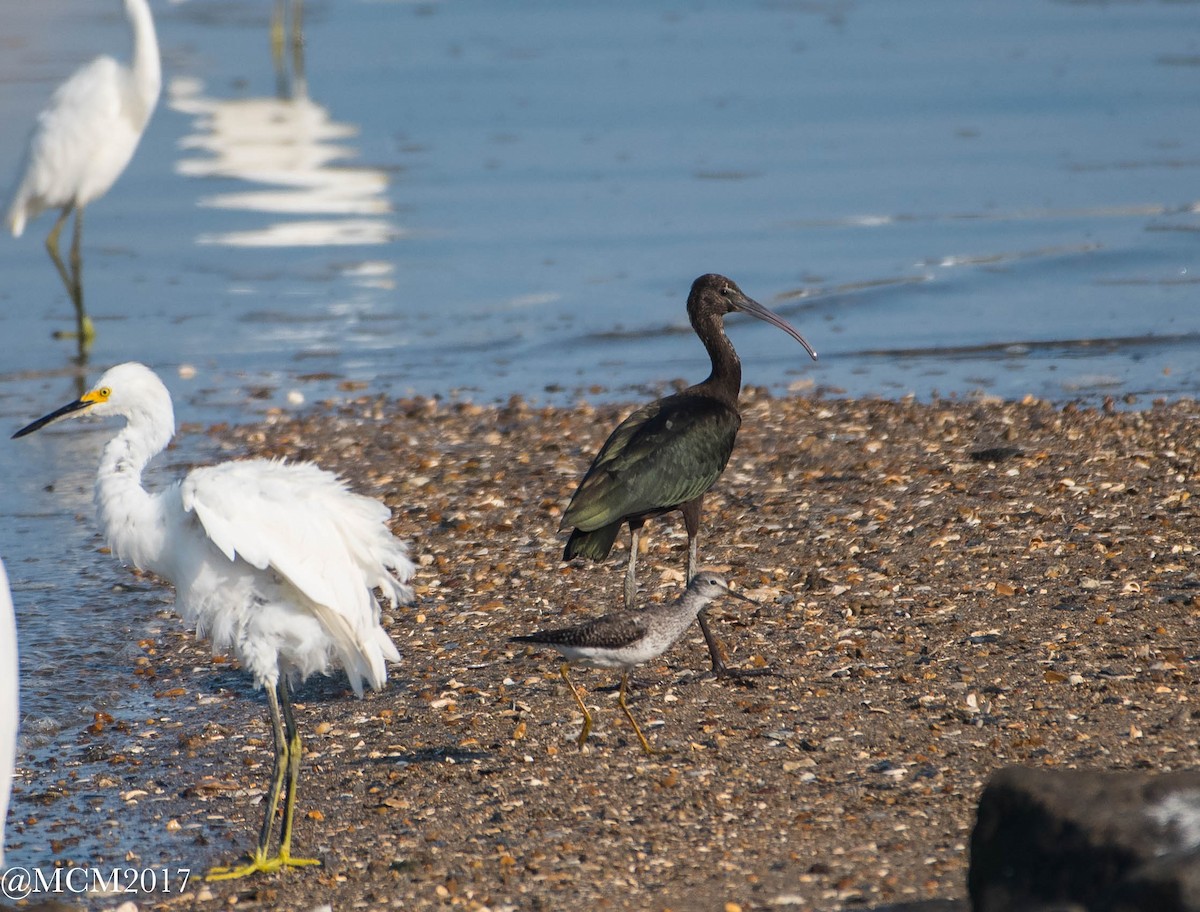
287, 765
294, 751
259, 861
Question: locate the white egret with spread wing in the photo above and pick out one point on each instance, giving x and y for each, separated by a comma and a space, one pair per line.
275, 562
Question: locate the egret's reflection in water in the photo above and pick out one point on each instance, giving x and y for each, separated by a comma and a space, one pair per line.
296, 155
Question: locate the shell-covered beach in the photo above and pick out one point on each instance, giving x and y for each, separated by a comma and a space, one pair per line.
945, 589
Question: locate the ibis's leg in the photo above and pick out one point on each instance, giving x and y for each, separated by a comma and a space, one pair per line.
635, 531
287, 758
691, 520
565, 671
628, 715
289, 805
716, 649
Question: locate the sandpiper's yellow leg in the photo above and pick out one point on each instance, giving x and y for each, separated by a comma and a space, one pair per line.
587, 716
628, 715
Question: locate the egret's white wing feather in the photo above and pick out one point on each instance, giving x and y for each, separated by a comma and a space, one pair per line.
79, 145
330, 545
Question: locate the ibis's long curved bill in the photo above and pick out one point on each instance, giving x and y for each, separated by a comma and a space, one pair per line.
66, 411
752, 307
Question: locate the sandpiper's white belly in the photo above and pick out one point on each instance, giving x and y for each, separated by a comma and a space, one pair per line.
635, 653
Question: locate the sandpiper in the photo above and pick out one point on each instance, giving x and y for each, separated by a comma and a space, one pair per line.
624, 639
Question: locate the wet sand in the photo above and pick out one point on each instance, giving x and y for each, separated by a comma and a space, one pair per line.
945, 589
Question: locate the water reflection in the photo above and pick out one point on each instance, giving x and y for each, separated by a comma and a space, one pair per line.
287, 47
293, 151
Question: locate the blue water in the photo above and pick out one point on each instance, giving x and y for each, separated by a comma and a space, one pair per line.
480, 199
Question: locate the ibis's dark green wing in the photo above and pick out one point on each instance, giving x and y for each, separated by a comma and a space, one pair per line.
663, 455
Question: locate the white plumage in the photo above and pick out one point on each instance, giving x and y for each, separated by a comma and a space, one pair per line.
272, 561
84, 139
8, 700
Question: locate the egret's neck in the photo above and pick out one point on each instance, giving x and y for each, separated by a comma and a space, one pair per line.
147, 66
130, 517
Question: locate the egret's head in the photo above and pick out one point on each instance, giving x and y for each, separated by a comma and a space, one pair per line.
127, 389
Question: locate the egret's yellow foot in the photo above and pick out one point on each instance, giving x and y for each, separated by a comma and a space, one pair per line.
260, 864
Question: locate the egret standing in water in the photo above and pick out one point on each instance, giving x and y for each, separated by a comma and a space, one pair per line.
666, 455
82, 142
9, 701
275, 562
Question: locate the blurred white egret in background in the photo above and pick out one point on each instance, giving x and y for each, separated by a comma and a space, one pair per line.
8, 700
273, 561
82, 142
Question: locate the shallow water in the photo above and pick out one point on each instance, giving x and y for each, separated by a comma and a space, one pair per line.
484, 199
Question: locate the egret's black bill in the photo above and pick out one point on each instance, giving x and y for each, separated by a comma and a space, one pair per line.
68, 409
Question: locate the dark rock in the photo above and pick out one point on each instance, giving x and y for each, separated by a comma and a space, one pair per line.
1102, 841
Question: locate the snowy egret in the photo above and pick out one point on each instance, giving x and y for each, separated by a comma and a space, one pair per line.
8, 700
624, 639
82, 142
666, 455
273, 561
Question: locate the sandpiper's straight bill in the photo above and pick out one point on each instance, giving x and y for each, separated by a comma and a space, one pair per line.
275, 562
624, 639
666, 455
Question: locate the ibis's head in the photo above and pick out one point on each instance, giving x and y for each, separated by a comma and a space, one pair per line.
715, 294
128, 389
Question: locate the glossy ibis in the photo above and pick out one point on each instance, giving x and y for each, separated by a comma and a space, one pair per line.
624, 639
273, 561
667, 454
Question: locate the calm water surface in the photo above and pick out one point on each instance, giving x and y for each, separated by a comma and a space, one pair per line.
480, 199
